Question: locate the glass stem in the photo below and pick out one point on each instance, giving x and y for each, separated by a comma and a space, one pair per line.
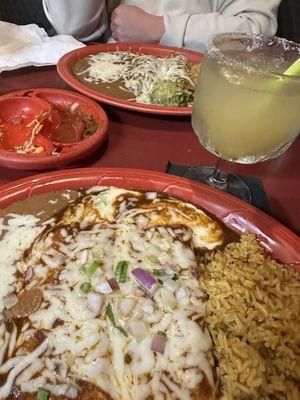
217, 179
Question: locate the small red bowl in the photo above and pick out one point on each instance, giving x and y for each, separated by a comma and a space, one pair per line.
72, 152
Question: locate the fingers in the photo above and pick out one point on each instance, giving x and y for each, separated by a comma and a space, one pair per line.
126, 23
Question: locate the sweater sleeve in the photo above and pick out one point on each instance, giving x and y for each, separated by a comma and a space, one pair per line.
195, 30
84, 19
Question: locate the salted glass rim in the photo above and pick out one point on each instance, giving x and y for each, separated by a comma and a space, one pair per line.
214, 51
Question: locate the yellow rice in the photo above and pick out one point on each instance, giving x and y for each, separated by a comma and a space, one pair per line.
253, 314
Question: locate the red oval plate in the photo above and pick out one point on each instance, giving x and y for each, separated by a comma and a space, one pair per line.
236, 214
66, 63
77, 151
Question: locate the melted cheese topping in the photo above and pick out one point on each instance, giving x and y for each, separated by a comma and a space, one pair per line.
18, 234
138, 72
109, 225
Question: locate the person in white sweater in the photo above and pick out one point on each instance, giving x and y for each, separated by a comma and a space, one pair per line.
180, 23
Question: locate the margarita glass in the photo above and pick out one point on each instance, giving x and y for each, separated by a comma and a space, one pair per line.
246, 108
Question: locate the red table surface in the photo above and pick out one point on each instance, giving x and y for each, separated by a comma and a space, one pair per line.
148, 142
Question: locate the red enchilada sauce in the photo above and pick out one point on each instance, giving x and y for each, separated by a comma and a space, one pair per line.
46, 132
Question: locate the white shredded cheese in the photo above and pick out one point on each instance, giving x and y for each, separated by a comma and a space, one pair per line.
18, 234
138, 72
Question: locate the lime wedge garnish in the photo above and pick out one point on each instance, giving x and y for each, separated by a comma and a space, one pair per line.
293, 69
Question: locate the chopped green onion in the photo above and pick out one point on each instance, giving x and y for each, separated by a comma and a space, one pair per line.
160, 281
92, 268
42, 394
122, 331
175, 277
152, 260
109, 313
161, 333
121, 271
86, 287
82, 270
159, 272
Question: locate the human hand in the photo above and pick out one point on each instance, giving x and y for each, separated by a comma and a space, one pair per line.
132, 24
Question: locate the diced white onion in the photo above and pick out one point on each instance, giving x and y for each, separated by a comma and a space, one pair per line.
32, 385
170, 285
147, 306
63, 370
168, 299
83, 256
151, 195
84, 225
28, 274
63, 232
48, 241
126, 305
103, 288
142, 221
94, 303
51, 262
181, 294
122, 207
72, 392
50, 364
139, 329
59, 257
10, 301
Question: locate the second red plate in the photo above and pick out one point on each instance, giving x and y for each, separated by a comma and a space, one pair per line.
76, 151
67, 62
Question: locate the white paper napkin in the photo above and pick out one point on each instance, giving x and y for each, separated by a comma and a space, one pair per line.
22, 46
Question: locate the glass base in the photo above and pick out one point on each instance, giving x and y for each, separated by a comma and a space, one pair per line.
230, 183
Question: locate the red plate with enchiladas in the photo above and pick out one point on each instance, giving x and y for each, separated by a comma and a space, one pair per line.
129, 284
